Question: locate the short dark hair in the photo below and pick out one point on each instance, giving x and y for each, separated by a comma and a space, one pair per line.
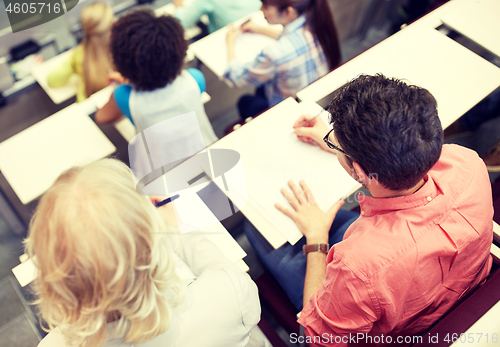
390, 128
148, 50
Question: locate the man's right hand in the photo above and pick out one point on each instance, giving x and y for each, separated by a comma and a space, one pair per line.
312, 132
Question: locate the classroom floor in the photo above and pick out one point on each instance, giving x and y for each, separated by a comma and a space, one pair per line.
18, 325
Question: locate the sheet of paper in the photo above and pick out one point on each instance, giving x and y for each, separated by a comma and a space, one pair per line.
41, 72
25, 272
33, 159
212, 50
272, 155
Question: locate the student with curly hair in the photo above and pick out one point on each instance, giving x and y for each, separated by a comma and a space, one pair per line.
91, 59
149, 52
113, 270
304, 51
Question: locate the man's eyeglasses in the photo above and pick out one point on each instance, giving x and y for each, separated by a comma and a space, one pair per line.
330, 144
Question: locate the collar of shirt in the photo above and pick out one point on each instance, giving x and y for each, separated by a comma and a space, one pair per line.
376, 206
294, 25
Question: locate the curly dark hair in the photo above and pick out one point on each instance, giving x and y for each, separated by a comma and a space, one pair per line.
148, 50
390, 128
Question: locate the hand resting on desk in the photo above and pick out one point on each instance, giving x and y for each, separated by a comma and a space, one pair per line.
313, 222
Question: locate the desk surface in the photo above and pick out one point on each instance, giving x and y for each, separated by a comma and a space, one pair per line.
478, 20
32, 159
457, 77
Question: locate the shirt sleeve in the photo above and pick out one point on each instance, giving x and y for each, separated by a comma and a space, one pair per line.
60, 76
190, 15
345, 304
122, 97
254, 73
208, 263
199, 78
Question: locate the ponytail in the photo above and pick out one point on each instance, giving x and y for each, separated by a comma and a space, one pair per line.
320, 21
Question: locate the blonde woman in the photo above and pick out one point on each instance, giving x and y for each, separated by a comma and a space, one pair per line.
91, 59
108, 274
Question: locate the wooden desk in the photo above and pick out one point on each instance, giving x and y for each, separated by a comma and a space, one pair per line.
212, 49
457, 77
477, 20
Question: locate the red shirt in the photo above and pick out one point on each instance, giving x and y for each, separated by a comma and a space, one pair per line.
407, 260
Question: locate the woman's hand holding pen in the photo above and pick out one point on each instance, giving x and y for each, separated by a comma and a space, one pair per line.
311, 129
166, 211
250, 27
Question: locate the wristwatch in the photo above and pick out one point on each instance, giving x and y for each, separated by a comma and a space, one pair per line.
317, 247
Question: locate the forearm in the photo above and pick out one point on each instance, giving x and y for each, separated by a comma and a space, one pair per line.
109, 112
315, 274
273, 33
230, 52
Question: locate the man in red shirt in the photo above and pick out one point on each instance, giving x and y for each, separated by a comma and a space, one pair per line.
423, 238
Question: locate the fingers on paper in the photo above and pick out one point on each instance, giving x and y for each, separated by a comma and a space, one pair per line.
285, 211
292, 200
307, 192
299, 193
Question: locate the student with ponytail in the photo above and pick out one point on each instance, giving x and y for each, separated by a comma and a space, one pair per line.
91, 59
305, 50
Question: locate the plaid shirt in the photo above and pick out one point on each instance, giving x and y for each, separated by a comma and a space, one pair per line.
294, 62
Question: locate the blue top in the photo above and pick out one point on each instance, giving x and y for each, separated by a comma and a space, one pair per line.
122, 92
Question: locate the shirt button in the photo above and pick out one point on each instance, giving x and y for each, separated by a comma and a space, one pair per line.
429, 198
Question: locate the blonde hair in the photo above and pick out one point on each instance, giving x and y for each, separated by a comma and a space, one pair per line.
98, 255
96, 19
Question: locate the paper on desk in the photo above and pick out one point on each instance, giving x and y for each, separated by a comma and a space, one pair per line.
25, 272
33, 159
212, 50
276, 156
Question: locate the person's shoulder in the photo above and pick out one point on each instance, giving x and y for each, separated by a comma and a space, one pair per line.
458, 165
54, 339
459, 154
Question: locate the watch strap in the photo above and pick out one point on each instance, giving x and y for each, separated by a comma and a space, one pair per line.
316, 247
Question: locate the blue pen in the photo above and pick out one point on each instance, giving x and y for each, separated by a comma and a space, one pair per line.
166, 201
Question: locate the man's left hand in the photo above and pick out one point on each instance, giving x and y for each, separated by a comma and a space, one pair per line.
313, 222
